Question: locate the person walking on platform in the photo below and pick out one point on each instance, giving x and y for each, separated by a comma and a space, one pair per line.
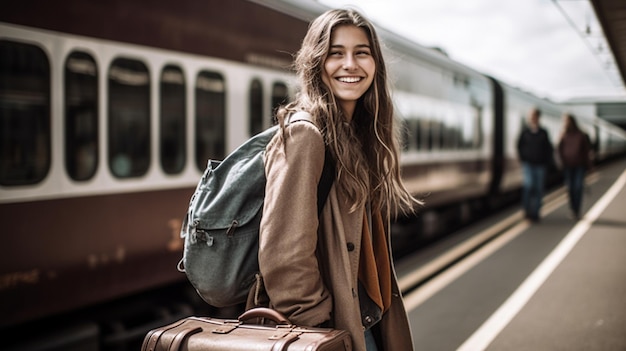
574, 150
535, 152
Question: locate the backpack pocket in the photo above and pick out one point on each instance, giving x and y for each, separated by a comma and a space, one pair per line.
221, 264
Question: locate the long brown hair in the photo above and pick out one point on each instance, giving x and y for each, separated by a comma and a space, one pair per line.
366, 149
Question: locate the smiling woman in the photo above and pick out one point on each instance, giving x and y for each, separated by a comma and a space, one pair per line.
343, 85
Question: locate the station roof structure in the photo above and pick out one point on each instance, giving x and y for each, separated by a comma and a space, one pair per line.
612, 17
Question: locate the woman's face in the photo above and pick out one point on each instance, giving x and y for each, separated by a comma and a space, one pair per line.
349, 67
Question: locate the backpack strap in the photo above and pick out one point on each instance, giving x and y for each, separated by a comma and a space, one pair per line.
326, 181
299, 116
328, 172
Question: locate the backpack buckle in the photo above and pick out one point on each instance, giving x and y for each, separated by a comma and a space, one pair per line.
201, 235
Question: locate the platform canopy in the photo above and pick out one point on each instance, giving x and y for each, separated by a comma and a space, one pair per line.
612, 17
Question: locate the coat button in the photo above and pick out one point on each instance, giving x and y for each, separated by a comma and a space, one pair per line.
350, 246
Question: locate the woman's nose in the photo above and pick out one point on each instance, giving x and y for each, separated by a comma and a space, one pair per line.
349, 63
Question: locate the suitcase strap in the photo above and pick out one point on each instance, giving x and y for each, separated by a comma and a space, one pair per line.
180, 337
150, 343
283, 344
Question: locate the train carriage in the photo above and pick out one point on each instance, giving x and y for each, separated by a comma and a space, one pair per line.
105, 134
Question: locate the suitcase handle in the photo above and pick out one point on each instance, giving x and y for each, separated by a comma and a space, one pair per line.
263, 312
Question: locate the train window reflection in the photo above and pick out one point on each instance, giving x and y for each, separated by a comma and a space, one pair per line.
129, 118
210, 102
280, 96
24, 113
172, 123
81, 116
256, 107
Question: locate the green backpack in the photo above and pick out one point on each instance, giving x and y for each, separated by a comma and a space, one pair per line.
221, 228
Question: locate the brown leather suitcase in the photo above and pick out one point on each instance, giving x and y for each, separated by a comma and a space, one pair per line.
214, 334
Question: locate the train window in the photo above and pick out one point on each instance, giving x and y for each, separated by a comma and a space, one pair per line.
81, 116
441, 133
454, 137
280, 96
451, 130
129, 118
406, 132
477, 134
256, 107
434, 135
210, 118
418, 134
24, 113
424, 134
172, 123
470, 134
430, 131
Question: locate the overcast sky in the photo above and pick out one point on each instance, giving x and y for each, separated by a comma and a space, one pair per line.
532, 44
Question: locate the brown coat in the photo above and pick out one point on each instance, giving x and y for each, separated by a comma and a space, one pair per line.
307, 282
574, 148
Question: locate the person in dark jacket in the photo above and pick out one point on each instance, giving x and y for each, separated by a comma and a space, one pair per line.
535, 152
574, 151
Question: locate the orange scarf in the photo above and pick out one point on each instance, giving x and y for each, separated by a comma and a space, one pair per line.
374, 263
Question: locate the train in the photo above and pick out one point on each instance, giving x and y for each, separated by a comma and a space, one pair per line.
109, 112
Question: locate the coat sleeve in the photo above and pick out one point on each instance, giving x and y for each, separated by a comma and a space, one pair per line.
289, 226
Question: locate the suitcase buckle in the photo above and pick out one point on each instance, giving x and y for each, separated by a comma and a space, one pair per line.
226, 328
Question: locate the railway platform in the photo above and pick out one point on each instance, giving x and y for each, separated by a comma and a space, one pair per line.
555, 285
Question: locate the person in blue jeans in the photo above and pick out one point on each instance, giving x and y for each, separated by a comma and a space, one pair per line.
536, 154
575, 153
